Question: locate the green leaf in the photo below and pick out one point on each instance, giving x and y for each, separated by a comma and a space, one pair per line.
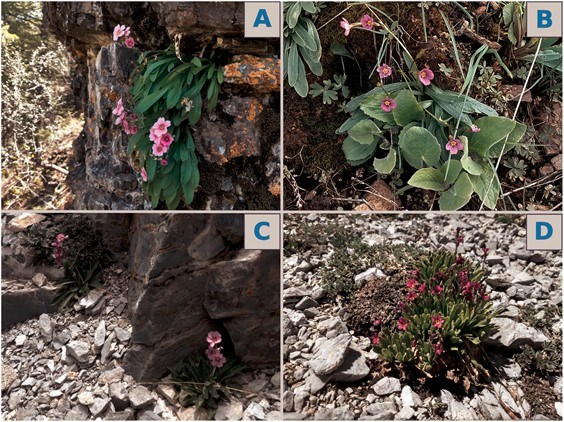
386, 165
220, 75
513, 140
186, 172
303, 38
151, 167
487, 186
407, 108
373, 107
458, 195
420, 147
454, 169
363, 132
356, 117
293, 14
196, 111
428, 178
358, 153
312, 62
492, 130
196, 62
149, 100
340, 50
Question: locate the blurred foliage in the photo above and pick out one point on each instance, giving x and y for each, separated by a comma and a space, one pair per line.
35, 93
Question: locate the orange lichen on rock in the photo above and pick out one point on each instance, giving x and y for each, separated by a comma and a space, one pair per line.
274, 188
261, 73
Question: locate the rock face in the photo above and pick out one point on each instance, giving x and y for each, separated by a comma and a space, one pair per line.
237, 145
184, 287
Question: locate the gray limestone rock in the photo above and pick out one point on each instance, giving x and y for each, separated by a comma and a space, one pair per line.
387, 386
140, 397
330, 355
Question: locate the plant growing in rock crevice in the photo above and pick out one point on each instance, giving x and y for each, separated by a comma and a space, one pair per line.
444, 317
167, 97
205, 381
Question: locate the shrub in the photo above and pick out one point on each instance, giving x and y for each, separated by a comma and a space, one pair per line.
446, 314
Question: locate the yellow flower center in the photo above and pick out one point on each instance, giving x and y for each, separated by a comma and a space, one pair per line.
387, 102
453, 143
423, 74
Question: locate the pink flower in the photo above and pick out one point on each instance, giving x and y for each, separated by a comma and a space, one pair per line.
402, 323
474, 128
377, 322
61, 237
159, 150
127, 31
421, 287
411, 296
401, 306
437, 321
213, 338
161, 126
218, 360
388, 104
125, 124
454, 145
121, 118
164, 162
166, 140
384, 71
211, 351
346, 26
375, 339
119, 31
438, 348
129, 42
153, 137
426, 76
459, 260
411, 283
118, 111
437, 290
367, 22
133, 117
144, 174
133, 130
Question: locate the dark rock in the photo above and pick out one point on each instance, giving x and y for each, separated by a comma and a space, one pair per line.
24, 303
140, 397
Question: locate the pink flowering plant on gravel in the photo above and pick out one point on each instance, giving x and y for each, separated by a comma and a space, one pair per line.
445, 316
205, 380
164, 103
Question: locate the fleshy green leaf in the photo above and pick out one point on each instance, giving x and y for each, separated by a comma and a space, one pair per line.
407, 108
454, 169
419, 147
514, 138
357, 153
493, 130
428, 178
458, 195
386, 165
363, 132
487, 186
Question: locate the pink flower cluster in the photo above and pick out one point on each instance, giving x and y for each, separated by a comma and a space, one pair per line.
123, 31
58, 244
159, 135
126, 120
214, 353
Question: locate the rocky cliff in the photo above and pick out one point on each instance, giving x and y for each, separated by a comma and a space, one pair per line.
238, 145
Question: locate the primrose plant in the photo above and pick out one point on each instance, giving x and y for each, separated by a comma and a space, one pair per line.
447, 141
445, 316
206, 381
167, 97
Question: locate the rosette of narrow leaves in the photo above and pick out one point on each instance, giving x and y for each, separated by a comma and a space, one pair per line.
301, 44
444, 320
175, 88
200, 384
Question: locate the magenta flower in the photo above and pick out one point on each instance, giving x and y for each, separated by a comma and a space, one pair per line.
61, 237
388, 104
144, 174
164, 162
211, 351
384, 71
411, 296
437, 290
437, 321
367, 22
438, 348
375, 339
454, 146
401, 306
161, 126
474, 128
421, 287
133, 130
426, 76
377, 322
129, 42
159, 150
402, 324
411, 283
213, 338
346, 26
218, 360
166, 140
